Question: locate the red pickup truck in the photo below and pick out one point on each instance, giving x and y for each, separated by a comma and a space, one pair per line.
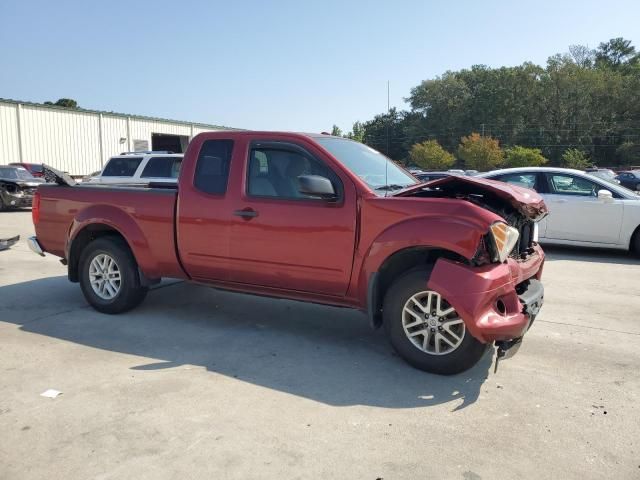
447, 267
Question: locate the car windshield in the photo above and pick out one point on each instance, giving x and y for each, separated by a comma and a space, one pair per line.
376, 170
14, 173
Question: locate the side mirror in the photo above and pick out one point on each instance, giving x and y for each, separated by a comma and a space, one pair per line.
317, 186
605, 195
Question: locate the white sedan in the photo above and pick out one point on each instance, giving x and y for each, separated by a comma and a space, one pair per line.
583, 210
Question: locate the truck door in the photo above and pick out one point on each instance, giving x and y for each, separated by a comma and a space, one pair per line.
284, 239
203, 212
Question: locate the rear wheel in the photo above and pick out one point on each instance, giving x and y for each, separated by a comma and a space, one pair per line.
425, 329
109, 276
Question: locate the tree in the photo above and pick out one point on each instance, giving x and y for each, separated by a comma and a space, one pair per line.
335, 131
588, 99
523, 157
480, 153
615, 53
357, 132
629, 153
575, 158
581, 55
64, 102
431, 155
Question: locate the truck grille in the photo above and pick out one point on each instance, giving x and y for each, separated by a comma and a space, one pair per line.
525, 242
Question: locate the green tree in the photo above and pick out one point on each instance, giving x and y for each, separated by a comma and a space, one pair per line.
357, 132
629, 153
575, 158
480, 153
616, 53
431, 155
64, 102
589, 99
335, 131
523, 157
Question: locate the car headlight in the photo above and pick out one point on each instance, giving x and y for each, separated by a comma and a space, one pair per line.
504, 239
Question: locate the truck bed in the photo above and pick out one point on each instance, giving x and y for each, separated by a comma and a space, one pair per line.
149, 214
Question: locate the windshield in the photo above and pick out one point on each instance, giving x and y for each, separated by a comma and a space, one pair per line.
13, 173
376, 170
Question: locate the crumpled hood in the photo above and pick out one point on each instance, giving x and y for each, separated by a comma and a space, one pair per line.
527, 202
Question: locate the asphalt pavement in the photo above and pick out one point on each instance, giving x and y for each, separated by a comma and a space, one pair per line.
198, 383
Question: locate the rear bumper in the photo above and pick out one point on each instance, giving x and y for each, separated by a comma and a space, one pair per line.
497, 302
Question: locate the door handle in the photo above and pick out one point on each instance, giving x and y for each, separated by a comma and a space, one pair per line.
247, 213
560, 200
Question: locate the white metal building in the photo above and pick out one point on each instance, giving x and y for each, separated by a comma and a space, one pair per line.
80, 141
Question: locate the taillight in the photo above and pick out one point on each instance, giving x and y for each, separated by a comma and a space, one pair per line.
35, 208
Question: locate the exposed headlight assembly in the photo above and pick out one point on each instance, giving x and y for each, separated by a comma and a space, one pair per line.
504, 239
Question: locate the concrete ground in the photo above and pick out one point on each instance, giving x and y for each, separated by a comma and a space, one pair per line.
201, 384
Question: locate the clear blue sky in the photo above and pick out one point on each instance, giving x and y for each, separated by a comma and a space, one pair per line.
289, 65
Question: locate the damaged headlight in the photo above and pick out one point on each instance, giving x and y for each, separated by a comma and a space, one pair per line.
504, 239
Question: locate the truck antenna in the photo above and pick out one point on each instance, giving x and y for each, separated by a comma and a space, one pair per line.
386, 164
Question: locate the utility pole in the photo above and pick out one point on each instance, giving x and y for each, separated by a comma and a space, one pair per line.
483, 129
388, 118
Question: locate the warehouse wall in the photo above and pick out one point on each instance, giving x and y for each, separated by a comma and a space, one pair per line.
75, 141
9, 148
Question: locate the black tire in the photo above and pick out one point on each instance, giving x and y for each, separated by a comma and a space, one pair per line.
130, 292
635, 243
465, 356
2, 206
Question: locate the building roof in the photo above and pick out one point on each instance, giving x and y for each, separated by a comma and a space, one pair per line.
116, 114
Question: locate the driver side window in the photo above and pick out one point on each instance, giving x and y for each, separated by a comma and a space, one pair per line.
569, 185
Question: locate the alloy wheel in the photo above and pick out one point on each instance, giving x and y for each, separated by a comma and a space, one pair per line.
432, 324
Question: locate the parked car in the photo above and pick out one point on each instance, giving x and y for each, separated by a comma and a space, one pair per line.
447, 267
630, 179
583, 210
428, 176
139, 168
17, 187
34, 169
603, 173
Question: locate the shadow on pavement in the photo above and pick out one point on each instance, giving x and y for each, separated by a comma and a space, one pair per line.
326, 354
594, 255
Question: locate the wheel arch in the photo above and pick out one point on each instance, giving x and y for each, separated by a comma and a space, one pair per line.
395, 265
99, 220
82, 238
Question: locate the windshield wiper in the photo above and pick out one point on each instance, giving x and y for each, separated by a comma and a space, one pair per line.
392, 186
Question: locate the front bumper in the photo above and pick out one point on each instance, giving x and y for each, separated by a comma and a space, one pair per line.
497, 302
17, 200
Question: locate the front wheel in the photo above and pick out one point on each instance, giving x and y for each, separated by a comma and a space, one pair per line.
109, 276
425, 329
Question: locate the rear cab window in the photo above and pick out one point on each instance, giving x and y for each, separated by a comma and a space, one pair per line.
212, 167
121, 167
